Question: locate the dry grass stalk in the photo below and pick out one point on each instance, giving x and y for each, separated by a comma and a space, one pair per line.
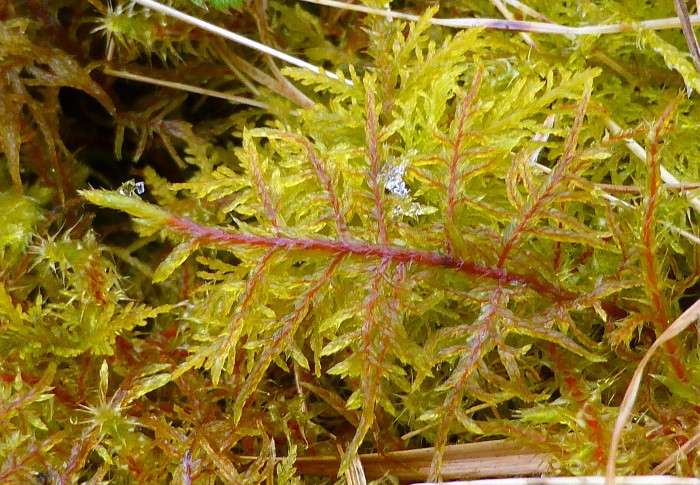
520, 25
636, 480
686, 319
690, 37
684, 450
185, 87
473, 460
172, 12
355, 475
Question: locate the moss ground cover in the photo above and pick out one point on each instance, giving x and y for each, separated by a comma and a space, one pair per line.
215, 263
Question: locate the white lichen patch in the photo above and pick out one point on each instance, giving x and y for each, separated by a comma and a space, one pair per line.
392, 177
393, 180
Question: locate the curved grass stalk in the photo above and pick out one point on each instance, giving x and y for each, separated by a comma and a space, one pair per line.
686, 319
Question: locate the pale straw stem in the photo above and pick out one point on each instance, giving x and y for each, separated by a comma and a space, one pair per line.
227, 34
184, 87
518, 25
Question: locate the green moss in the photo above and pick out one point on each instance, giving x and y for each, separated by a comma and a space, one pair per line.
419, 253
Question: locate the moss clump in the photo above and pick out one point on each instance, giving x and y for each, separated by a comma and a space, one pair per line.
452, 241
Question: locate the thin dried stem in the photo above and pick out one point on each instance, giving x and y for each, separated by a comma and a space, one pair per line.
298, 384
684, 450
688, 32
686, 319
519, 25
631, 189
244, 68
355, 475
506, 14
286, 86
214, 29
590, 480
496, 458
527, 10
184, 87
639, 151
226, 54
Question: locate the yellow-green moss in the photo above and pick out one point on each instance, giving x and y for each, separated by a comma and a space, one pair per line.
419, 259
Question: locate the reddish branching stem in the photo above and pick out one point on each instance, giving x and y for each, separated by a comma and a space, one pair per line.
374, 176
652, 280
464, 111
230, 240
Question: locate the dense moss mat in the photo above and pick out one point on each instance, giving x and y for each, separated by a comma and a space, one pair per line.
469, 235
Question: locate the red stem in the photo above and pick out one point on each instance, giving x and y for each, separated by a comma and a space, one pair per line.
226, 239
649, 236
372, 144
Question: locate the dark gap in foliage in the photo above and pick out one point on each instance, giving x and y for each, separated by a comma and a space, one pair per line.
556, 394
146, 432
281, 377
144, 331
87, 131
202, 109
227, 257
109, 223
42, 478
92, 464
127, 93
176, 423
596, 332
223, 404
690, 295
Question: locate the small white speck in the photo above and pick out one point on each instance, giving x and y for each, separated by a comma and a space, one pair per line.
131, 188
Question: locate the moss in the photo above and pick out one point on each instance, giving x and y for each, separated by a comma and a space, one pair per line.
451, 241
